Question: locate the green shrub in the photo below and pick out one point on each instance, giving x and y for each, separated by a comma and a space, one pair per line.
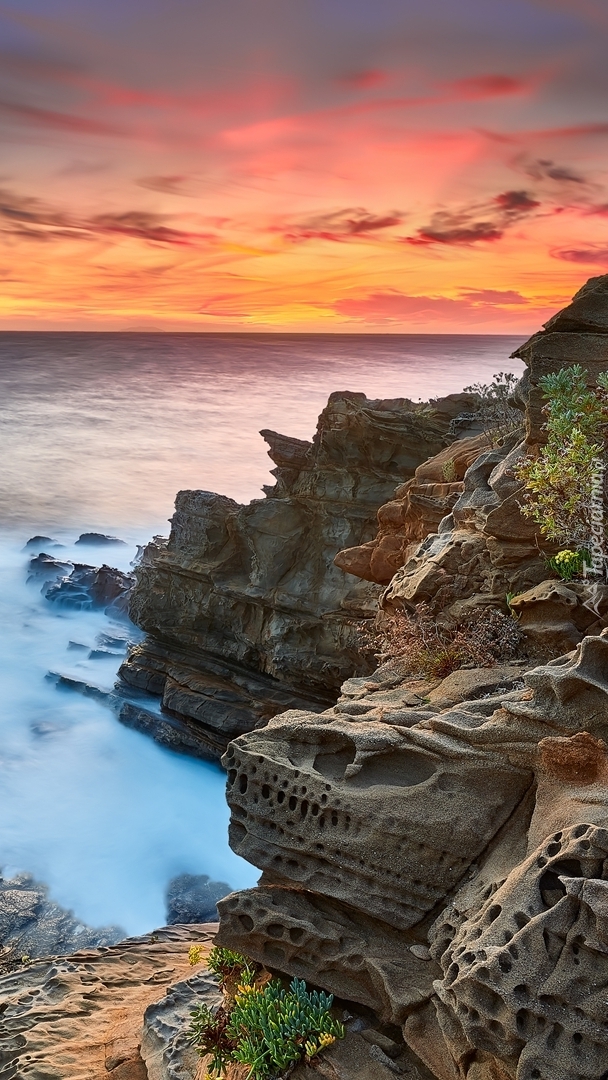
268, 1028
223, 962
559, 482
568, 564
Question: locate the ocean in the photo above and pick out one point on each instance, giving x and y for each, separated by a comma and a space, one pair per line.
98, 432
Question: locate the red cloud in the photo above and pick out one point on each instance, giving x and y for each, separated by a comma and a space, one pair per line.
364, 80
486, 86
341, 225
394, 306
593, 254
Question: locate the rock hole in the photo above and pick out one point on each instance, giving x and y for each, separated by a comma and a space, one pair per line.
296, 934
505, 963
293, 802
521, 919
577, 1038
315, 809
231, 777
554, 849
333, 760
494, 912
304, 807
243, 783
334, 819
394, 768
553, 1036
238, 832
246, 922
265, 791
281, 797
275, 930
581, 830
552, 888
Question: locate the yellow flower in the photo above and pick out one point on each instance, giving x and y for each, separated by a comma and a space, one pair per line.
195, 954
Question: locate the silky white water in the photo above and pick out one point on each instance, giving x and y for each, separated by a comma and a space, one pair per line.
99, 432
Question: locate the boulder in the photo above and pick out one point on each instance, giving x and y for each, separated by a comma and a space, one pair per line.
192, 898
88, 587
40, 543
95, 539
33, 925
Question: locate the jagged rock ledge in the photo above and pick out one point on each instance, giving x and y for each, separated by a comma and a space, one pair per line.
245, 613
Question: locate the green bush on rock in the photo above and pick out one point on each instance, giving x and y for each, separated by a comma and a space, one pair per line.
266, 1028
559, 482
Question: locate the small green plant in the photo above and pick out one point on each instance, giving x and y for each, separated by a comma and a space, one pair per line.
268, 1029
208, 1033
508, 598
569, 564
223, 962
559, 481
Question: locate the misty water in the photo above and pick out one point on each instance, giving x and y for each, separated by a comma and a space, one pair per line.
98, 433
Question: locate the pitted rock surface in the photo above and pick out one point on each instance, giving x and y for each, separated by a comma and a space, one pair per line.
475, 839
81, 1017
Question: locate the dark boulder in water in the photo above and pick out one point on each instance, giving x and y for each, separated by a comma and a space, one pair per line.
192, 898
31, 924
90, 587
39, 543
99, 540
45, 568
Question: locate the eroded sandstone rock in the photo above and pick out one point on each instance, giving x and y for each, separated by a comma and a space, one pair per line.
480, 831
246, 614
82, 1017
415, 511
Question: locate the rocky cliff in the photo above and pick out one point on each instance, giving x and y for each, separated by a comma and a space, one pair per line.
439, 853
245, 613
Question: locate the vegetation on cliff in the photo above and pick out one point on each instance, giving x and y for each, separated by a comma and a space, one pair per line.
261, 1025
559, 480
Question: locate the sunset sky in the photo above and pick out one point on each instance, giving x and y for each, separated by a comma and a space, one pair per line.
307, 165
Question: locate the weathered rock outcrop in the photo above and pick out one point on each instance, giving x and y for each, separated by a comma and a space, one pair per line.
445, 862
446, 868
485, 548
82, 1017
246, 614
415, 511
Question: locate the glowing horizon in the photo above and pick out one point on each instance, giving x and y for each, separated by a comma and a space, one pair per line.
345, 167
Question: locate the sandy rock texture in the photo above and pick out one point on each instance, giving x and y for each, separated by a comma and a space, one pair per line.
82, 1017
245, 613
447, 868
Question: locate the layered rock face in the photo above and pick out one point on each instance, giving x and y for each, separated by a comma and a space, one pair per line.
415, 511
246, 614
439, 853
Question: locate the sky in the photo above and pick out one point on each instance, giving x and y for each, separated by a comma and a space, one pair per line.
394, 166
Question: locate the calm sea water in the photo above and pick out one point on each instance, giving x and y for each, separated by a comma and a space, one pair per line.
98, 432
